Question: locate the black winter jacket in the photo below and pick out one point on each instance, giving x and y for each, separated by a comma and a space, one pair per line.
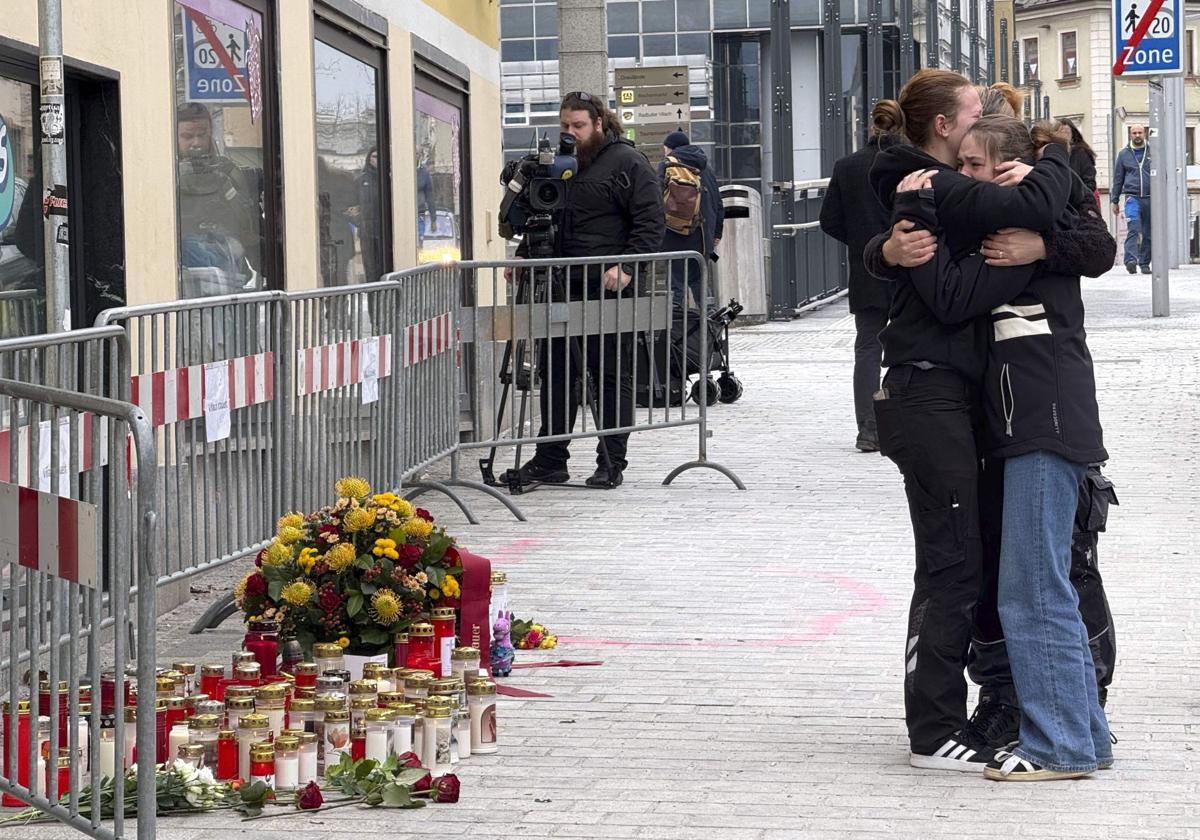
614, 205
968, 210
1039, 390
712, 209
1083, 164
851, 213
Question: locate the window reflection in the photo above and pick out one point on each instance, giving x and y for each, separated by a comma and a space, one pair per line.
350, 213
439, 179
219, 147
22, 279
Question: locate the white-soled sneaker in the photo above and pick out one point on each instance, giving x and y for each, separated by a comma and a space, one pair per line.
1009, 767
961, 753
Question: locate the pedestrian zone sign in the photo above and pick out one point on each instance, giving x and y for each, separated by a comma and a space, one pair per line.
1148, 37
209, 65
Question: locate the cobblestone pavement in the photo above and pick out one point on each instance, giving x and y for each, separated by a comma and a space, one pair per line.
752, 641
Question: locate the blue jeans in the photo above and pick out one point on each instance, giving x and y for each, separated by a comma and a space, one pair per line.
1062, 724
1137, 221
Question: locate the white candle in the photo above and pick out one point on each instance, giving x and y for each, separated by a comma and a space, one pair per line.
275, 718
177, 738
287, 771
429, 744
402, 736
107, 750
307, 765
462, 735
377, 744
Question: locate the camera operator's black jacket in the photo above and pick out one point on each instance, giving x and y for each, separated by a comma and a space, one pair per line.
614, 206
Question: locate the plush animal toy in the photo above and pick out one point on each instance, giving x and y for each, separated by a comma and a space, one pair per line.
502, 652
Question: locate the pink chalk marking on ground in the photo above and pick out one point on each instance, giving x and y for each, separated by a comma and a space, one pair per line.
513, 553
823, 628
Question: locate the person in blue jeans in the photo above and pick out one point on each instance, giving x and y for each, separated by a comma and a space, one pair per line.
1131, 198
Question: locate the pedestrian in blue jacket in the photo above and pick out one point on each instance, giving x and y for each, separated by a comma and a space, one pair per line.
1131, 197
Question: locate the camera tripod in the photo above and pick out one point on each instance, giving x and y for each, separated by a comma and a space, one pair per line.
538, 280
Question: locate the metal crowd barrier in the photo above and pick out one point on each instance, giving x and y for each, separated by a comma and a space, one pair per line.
807, 267
60, 674
560, 358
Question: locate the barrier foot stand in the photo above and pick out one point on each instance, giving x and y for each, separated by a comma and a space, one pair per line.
217, 612
693, 465
491, 491
425, 485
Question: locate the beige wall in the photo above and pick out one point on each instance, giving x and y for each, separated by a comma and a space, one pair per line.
404, 164
298, 140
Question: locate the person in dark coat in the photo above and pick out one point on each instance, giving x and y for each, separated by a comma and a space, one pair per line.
1082, 160
370, 218
852, 214
712, 222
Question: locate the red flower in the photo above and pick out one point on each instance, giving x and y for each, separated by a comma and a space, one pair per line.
409, 759
451, 558
309, 799
258, 558
410, 555
424, 514
422, 783
445, 788
330, 600
256, 585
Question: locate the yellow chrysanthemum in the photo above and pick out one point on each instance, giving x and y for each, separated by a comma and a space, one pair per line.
290, 520
289, 535
403, 507
385, 499
358, 519
385, 607
549, 643
352, 487
343, 643
450, 587
386, 548
434, 593
417, 527
307, 559
277, 554
239, 591
340, 556
298, 593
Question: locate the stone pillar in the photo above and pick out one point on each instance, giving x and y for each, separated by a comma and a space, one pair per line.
583, 47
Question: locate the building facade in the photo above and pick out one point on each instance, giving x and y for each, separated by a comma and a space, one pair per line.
217, 146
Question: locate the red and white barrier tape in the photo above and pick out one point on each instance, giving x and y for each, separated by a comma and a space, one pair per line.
428, 338
337, 365
169, 396
49, 533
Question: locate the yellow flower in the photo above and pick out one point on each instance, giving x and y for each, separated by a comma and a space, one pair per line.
289, 535
434, 593
343, 643
385, 607
307, 559
340, 556
549, 643
358, 519
386, 548
298, 592
450, 587
403, 507
417, 527
239, 591
352, 487
277, 554
290, 520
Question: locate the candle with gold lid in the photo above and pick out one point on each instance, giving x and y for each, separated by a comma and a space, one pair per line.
328, 656
306, 674
188, 669
481, 695
252, 728
270, 701
420, 646
443, 620
417, 684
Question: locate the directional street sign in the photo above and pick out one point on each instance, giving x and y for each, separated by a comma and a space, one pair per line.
652, 134
654, 95
1147, 37
627, 77
640, 114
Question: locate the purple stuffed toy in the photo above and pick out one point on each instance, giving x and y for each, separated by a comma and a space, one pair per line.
502, 652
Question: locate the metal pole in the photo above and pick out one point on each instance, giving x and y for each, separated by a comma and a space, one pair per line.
874, 52
956, 62
783, 297
833, 126
973, 66
1045, 107
1177, 211
1004, 49
907, 57
54, 165
991, 42
1160, 284
1017, 69
932, 37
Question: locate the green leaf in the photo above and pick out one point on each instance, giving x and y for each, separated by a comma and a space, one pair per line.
373, 636
368, 588
364, 562
396, 535
354, 604
410, 776
364, 767
274, 589
398, 796
436, 575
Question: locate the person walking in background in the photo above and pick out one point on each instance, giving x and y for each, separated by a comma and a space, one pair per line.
705, 233
1083, 159
852, 214
1131, 198
370, 219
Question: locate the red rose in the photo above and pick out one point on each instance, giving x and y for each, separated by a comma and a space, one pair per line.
424, 514
309, 799
451, 558
256, 585
410, 555
330, 600
258, 558
409, 759
445, 788
422, 783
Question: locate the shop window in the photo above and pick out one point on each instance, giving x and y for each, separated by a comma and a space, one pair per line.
439, 177
22, 273
223, 110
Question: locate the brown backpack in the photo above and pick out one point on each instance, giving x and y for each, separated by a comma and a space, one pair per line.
682, 190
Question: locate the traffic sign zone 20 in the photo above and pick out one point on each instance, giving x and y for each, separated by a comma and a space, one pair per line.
1147, 37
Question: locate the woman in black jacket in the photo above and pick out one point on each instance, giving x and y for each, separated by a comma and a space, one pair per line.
926, 409
1083, 159
1041, 418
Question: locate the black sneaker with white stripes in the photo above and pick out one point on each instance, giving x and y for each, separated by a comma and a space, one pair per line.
1010, 767
963, 752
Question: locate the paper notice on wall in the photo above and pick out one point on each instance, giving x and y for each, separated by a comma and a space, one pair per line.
368, 359
216, 401
64, 456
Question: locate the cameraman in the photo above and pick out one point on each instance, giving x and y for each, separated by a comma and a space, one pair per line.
613, 207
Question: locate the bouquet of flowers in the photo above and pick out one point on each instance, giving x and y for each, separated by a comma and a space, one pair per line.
354, 572
529, 635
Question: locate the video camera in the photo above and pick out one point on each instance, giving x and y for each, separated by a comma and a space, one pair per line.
535, 186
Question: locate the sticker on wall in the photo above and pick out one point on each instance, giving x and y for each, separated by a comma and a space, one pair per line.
60, 235
55, 202
51, 75
53, 124
7, 176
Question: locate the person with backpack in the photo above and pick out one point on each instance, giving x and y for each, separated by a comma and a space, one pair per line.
695, 216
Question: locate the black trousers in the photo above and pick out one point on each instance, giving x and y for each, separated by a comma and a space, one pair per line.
927, 427
868, 355
988, 661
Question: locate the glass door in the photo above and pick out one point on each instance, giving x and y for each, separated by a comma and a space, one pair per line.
441, 185
22, 258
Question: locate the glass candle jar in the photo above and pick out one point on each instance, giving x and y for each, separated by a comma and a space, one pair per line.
308, 759
192, 755
188, 669
227, 755
287, 762
210, 681
499, 601
179, 736
161, 730
380, 673
416, 685
462, 733
129, 742
359, 706
364, 688
252, 728
420, 647
328, 657
211, 707
445, 639
343, 675
178, 682
202, 730
380, 723
115, 694
271, 701
164, 686
400, 650
63, 773
303, 715
438, 732
464, 664
262, 639
388, 698
449, 687
336, 737
481, 696
327, 685
176, 711
305, 674
358, 740
240, 656
248, 673
24, 748
235, 709
106, 750
402, 727
242, 691
262, 765
291, 654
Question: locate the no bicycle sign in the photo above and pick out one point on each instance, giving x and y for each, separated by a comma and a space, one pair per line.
1147, 37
